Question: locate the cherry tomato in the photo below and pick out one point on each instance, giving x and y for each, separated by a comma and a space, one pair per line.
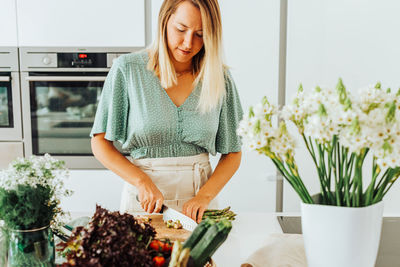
167, 247
158, 261
156, 245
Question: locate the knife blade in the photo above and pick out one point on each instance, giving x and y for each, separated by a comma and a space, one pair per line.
171, 214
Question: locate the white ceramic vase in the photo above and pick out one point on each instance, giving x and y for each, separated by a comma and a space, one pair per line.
341, 236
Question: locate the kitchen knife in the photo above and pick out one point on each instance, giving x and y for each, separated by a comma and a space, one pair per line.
171, 214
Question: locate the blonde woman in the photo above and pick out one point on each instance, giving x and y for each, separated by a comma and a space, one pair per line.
170, 106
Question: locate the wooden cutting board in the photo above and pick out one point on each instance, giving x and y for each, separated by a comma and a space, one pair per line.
164, 232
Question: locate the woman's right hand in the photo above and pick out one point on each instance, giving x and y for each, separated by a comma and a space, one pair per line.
150, 198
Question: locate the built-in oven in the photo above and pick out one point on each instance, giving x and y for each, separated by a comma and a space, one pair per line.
61, 89
11, 145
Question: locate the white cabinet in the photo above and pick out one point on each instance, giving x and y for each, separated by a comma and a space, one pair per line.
77, 23
356, 40
8, 23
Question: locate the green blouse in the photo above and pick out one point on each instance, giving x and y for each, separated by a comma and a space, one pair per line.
136, 111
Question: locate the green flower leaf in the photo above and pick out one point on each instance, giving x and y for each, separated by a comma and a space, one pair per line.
390, 116
355, 126
322, 111
251, 112
300, 88
257, 127
387, 147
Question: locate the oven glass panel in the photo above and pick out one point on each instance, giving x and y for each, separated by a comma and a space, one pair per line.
6, 115
62, 116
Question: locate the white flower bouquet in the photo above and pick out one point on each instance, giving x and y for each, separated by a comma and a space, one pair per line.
30, 193
339, 130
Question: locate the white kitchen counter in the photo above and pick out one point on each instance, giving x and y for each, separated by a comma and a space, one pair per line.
249, 231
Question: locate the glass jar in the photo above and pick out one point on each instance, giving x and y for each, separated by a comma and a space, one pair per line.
3, 247
31, 248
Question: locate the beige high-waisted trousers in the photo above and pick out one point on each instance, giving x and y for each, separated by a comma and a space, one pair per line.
178, 178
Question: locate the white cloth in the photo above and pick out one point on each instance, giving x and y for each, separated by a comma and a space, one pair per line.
279, 250
178, 178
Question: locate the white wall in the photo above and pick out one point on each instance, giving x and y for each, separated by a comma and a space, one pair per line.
251, 34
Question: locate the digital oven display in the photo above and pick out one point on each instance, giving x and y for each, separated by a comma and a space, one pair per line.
82, 60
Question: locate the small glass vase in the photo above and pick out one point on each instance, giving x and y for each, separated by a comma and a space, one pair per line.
31, 248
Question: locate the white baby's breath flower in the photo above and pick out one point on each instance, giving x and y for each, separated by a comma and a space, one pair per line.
36, 171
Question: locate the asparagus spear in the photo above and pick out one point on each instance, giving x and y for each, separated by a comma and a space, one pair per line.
217, 215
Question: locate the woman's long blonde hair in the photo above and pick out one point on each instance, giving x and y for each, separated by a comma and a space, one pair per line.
207, 64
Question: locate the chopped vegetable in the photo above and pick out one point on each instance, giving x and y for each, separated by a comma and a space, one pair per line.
173, 224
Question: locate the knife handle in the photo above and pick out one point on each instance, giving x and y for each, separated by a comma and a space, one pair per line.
162, 207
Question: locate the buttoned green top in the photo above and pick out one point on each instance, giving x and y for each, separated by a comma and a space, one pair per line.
136, 111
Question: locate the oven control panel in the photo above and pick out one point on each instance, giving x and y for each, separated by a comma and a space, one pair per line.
35, 61
74, 60
82, 60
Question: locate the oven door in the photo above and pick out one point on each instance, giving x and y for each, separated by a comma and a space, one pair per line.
10, 107
61, 115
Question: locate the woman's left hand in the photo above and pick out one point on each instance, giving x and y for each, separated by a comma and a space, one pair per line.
195, 207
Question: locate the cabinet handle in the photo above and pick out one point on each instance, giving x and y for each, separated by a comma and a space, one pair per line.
66, 78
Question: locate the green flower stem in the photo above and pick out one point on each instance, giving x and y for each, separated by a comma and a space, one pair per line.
339, 191
358, 186
349, 167
296, 179
353, 195
346, 179
339, 170
370, 189
380, 190
304, 195
341, 159
321, 153
294, 171
310, 148
391, 184
332, 165
395, 176
381, 181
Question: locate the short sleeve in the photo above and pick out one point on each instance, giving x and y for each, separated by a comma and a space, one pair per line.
231, 113
112, 111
